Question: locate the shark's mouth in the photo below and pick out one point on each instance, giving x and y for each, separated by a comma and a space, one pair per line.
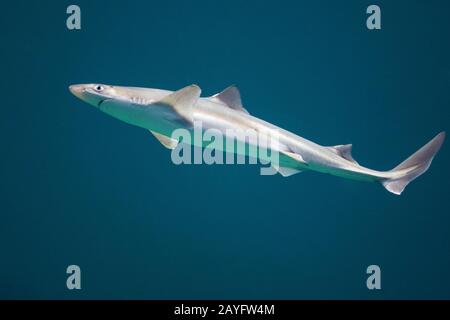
100, 102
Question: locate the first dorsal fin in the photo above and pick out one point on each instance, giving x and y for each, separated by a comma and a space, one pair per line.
231, 97
345, 151
183, 100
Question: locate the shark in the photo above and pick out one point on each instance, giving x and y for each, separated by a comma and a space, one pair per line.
164, 111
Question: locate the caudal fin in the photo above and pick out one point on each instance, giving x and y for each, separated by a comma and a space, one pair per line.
414, 166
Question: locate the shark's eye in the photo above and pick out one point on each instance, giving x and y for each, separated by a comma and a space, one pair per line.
99, 88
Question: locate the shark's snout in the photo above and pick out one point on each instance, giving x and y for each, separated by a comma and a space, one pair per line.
77, 90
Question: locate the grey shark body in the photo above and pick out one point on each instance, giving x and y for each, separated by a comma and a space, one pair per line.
163, 111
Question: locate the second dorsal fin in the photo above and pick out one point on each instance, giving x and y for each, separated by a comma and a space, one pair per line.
231, 97
345, 151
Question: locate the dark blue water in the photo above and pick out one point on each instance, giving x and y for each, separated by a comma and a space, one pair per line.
79, 187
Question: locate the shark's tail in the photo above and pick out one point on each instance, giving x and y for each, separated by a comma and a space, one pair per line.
414, 166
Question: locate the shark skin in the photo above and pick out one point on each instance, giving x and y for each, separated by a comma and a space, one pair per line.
163, 111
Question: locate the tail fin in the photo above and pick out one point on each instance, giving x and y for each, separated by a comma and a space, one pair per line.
414, 166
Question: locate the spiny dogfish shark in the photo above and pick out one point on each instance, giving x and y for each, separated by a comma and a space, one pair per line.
163, 111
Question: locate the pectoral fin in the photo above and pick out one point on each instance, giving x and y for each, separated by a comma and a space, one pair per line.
167, 142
